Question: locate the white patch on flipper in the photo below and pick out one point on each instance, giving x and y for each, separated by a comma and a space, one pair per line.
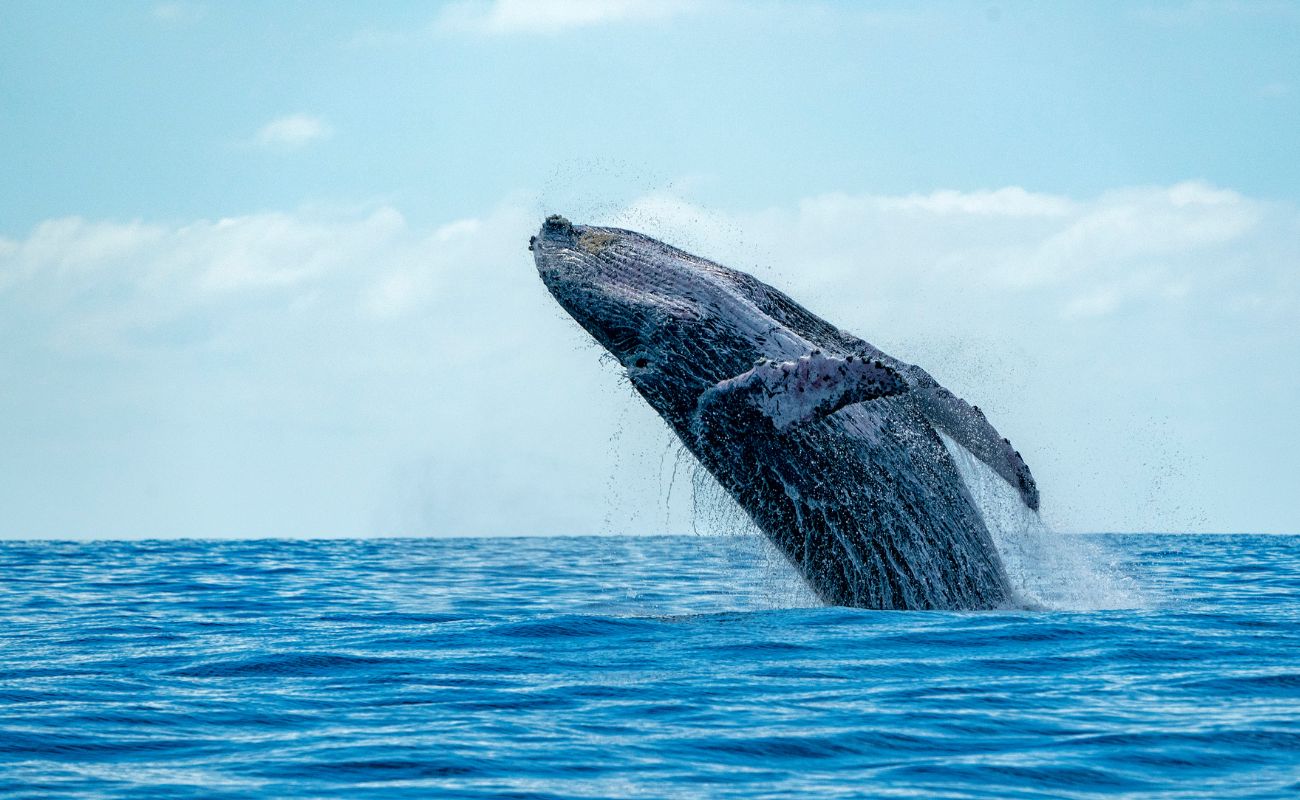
811, 386
1047, 570
816, 385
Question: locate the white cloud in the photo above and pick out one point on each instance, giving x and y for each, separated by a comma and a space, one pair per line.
1275, 89
1154, 243
292, 131
552, 16
175, 13
406, 284
1155, 246
1011, 201
1195, 13
72, 244
107, 285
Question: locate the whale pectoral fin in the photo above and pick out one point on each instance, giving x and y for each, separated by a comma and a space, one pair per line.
967, 426
789, 392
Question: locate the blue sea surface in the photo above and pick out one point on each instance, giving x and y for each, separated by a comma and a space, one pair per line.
614, 667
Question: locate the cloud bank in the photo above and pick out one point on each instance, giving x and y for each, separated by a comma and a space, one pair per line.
345, 372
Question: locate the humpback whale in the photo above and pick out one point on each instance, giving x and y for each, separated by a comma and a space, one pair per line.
832, 447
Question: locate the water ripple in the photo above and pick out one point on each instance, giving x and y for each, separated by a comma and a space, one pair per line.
561, 668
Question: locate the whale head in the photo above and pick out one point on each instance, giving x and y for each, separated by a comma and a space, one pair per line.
677, 323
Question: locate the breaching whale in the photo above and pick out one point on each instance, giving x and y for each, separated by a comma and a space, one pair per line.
830, 446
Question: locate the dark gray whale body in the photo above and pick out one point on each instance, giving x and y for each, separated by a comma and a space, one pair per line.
830, 445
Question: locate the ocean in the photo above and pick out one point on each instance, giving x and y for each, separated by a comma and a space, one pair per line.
676, 666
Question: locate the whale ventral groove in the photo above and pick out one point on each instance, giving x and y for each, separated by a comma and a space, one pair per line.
831, 446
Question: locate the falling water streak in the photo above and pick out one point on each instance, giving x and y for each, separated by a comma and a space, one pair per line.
1047, 570
719, 520
612, 483
673, 445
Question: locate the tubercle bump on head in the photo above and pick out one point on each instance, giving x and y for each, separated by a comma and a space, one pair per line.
557, 224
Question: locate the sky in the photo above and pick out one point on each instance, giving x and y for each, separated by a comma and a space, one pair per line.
263, 266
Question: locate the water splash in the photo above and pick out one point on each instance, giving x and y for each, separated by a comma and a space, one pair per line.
1048, 570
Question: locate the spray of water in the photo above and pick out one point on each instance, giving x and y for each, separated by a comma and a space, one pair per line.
1047, 570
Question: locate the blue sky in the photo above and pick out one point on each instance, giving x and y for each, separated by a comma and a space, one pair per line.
262, 266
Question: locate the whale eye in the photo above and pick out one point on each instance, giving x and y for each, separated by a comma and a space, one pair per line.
641, 363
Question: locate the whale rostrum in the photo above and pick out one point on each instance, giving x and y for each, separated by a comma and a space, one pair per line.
831, 446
